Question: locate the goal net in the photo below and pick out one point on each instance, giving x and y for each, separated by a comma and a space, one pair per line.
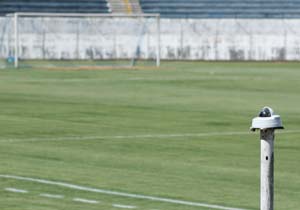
51, 40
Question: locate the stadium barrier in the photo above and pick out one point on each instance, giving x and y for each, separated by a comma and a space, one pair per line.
180, 39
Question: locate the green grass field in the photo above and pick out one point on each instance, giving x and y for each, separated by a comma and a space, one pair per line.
178, 132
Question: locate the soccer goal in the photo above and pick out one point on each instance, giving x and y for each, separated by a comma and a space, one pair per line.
52, 40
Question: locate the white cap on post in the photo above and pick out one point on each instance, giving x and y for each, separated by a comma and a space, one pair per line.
266, 119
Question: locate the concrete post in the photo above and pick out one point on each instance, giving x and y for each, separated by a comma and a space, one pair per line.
267, 169
266, 122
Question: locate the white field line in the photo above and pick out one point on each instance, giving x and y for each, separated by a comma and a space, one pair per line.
144, 136
16, 190
123, 206
212, 76
116, 193
46, 195
82, 200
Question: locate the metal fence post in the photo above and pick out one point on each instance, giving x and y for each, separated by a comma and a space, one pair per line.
16, 30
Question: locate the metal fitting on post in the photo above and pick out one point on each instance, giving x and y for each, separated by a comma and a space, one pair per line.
266, 119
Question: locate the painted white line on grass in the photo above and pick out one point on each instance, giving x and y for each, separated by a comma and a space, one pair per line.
201, 78
51, 196
123, 206
15, 190
145, 136
116, 193
82, 200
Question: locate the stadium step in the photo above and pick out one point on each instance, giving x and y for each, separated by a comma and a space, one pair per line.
124, 6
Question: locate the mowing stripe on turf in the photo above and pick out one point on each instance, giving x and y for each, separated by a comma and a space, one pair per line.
46, 195
123, 206
82, 200
15, 190
116, 193
145, 136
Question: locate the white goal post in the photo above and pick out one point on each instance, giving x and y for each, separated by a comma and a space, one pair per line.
106, 38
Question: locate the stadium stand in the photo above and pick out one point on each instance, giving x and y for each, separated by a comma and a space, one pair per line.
58, 6
223, 8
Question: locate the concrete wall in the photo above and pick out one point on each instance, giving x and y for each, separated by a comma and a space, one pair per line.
232, 39
192, 39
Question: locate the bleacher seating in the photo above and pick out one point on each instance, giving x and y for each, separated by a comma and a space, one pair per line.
223, 8
58, 6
